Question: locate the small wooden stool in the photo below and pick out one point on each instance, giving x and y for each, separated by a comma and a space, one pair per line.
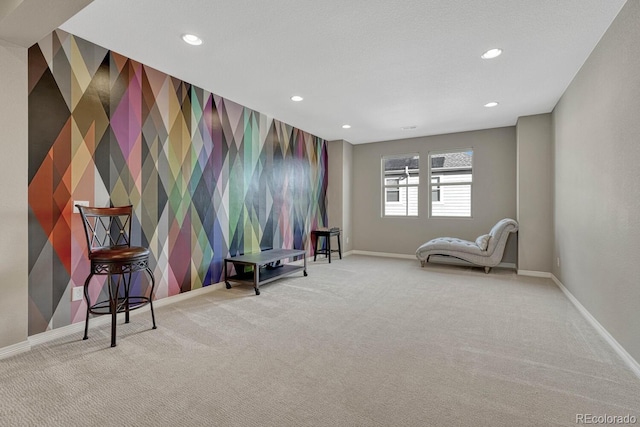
327, 233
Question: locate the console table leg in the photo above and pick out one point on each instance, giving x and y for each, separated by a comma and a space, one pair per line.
304, 257
256, 278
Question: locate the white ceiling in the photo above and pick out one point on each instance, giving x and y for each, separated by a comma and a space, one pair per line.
378, 65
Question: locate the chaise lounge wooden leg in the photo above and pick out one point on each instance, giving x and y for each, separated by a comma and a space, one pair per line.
422, 263
487, 270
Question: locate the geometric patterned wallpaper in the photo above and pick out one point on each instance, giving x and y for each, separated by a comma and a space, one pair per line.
206, 177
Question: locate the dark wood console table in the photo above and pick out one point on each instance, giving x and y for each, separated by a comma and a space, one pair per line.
263, 266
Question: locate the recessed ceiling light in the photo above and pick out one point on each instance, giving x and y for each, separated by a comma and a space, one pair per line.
297, 98
491, 53
491, 104
346, 126
408, 127
192, 39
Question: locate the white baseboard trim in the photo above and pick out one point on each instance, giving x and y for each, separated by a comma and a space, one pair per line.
534, 273
626, 357
78, 327
14, 349
186, 295
383, 254
310, 257
509, 265
456, 261
64, 331
438, 259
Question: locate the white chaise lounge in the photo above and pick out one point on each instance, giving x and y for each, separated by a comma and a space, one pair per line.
486, 251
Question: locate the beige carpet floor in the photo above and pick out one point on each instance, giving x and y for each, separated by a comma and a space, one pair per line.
362, 341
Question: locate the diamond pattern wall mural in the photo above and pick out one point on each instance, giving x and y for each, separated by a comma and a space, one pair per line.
207, 178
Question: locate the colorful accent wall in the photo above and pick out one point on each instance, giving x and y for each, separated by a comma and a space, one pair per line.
207, 178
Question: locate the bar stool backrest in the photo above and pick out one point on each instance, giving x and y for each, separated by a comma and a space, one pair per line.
106, 227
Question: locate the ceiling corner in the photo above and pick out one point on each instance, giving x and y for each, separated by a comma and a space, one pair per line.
25, 22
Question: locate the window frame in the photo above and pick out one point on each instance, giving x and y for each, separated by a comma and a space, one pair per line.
441, 184
386, 187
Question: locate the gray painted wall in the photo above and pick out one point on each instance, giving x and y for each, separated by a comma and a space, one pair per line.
340, 157
597, 187
493, 194
22, 23
335, 185
347, 196
535, 192
13, 203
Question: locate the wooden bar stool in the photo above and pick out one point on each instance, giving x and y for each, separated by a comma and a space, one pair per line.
327, 233
108, 233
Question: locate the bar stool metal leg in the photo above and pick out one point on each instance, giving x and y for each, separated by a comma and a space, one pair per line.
153, 285
113, 306
127, 284
88, 300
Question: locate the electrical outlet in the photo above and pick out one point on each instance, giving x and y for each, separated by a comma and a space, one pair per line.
77, 292
558, 261
81, 203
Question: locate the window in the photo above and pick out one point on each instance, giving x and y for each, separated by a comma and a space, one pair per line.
451, 178
400, 179
393, 195
435, 190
